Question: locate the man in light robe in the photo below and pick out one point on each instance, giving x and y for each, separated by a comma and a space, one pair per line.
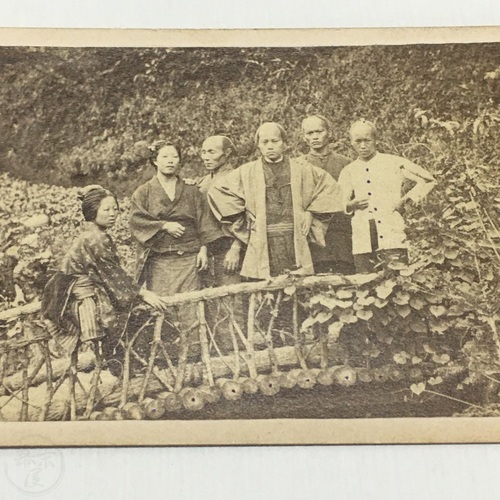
336, 255
373, 190
274, 205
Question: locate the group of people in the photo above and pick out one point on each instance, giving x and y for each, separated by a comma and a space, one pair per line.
318, 213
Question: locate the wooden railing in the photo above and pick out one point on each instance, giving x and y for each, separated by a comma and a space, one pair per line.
248, 337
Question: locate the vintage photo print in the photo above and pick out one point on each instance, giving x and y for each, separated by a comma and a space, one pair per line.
244, 237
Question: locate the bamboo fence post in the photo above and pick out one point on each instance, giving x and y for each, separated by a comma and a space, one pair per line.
25, 382
152, 357
269, 336
95, 380
128, 345
156, 372
182, 360
250, 353
3, 367
296, 333
72, 380
323, 338
234, 340
25, 393
48, 369
221, 356
205, 354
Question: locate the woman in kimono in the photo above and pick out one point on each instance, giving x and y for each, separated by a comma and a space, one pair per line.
90, 296
172, 224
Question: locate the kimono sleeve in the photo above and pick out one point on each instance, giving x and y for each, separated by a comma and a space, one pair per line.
118, 284
142, 224
227, 197
208, 227
326, 196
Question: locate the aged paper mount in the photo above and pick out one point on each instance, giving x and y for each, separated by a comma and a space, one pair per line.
272, 431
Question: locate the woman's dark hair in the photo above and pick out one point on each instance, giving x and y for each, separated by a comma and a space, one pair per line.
91, 197
154, 149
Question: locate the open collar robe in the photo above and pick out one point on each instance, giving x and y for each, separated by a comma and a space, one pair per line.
240, 200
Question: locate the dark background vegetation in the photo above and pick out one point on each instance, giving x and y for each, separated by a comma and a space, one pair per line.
74, 116
78, 116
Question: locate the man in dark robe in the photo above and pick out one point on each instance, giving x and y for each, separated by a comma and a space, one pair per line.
336, 255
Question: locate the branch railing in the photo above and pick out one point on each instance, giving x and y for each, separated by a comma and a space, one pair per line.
245, 337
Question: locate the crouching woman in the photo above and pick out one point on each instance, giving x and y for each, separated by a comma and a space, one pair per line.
89, 297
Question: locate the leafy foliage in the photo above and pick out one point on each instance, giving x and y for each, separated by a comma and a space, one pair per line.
76, 116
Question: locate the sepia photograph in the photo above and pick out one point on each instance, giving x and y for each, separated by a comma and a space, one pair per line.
290, 240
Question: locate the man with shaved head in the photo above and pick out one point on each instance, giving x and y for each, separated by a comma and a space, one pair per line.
336, 255
372, 186
217, 153
275, 205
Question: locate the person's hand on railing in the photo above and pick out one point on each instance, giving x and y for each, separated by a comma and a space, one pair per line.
202, 259
152, 299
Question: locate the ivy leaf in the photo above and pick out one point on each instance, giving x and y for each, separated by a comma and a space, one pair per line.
366, 301
418, 326
323, 316
380, 303
441, 359
328, 302
401, 298
307, 323
344, 294
365, 314
404, 311
438, 326
417, 303
451, 253
416, 360
437, 311
334, 329
400, 358
418, 388
385, 289
348, 316
428, 349
435, 380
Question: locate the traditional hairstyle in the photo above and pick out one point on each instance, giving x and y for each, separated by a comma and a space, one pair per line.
278, 126
227, 145
324, 119
366, 123
91, 197
154, 149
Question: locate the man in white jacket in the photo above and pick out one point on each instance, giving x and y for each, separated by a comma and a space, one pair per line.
372, 186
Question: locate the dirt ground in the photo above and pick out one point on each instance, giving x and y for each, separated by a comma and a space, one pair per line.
372, 400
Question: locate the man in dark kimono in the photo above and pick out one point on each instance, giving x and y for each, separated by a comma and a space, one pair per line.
225, 254
217, 153
336, 255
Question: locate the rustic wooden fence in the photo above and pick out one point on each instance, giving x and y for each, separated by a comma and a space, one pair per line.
248, 339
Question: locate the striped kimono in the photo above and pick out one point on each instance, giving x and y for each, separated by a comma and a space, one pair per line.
85, 298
